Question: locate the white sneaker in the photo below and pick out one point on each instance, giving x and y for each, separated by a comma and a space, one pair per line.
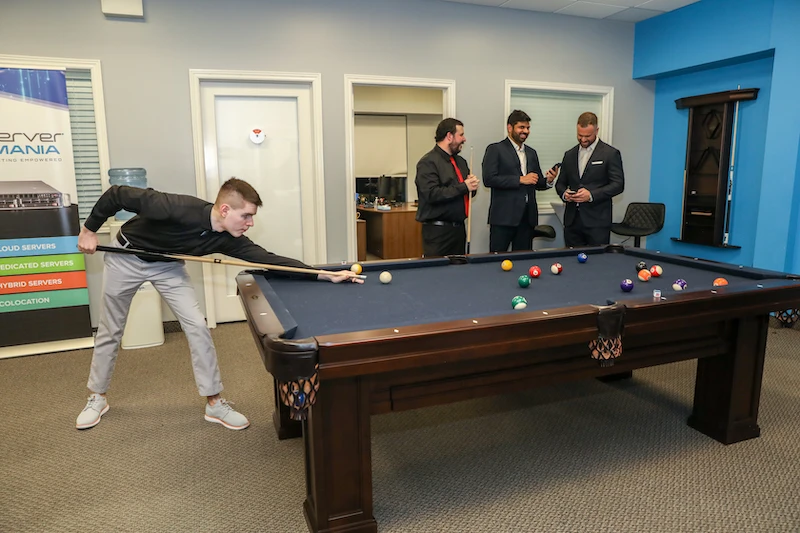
95, 408
222, 413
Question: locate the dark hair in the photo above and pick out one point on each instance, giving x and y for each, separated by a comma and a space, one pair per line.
518, 116
446, 126
234, 190
587, 119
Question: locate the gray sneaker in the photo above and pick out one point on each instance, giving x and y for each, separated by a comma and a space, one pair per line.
95, 408
222, 413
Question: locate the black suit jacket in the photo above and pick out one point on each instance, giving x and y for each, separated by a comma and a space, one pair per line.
603, 177
501, 173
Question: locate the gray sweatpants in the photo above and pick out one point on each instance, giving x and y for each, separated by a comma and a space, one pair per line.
124, 274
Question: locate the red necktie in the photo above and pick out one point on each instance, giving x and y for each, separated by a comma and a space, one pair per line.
461, 180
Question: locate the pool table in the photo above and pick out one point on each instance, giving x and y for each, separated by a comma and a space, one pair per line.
444, 330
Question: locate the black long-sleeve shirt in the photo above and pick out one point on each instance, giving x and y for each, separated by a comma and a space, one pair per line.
176, 223
441, 195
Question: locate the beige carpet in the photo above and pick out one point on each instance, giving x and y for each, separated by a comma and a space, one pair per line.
586, 457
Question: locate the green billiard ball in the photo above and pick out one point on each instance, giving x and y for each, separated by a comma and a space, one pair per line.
518, 302
524, 281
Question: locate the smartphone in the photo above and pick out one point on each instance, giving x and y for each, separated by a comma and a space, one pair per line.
556, 167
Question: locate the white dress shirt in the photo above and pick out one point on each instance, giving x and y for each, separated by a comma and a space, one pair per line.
584, 154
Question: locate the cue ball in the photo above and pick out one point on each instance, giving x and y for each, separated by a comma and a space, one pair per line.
641, 265
556, 268
506, 265
582, 257
355, 267
535, 271
386, 277
679, 285
720, 282
626, 285
656, 271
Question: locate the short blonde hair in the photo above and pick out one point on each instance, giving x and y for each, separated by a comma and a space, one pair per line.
235, 191
587, 119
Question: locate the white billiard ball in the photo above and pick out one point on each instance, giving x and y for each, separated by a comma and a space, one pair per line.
386, 277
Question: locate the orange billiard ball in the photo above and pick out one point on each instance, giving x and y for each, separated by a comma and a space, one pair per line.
720, 282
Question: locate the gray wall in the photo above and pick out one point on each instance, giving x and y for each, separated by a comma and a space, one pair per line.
146, 63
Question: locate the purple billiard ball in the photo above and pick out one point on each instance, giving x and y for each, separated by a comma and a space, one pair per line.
582, 257
679, 285
626, 285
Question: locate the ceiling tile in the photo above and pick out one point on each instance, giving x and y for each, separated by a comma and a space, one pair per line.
634, 14
548, 6
666, 5
494, 3
590, 9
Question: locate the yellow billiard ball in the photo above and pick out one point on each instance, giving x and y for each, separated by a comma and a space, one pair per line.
507, 265
355, 267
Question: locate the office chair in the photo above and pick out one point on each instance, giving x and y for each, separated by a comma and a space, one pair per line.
544, 230
641, 219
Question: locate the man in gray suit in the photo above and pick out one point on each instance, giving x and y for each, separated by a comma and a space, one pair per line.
591, 175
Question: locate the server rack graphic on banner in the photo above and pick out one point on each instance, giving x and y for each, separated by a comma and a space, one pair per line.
43, 290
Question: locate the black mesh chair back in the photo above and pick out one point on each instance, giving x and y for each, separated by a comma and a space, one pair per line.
641, 219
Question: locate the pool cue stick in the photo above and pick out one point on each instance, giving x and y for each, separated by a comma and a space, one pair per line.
469, 202
231, 262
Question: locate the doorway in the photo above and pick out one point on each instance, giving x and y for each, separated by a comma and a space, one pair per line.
389, 124
262, 130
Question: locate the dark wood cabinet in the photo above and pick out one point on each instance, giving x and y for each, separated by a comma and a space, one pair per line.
706, 196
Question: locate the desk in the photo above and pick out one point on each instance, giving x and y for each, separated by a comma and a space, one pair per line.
424, 340
393, 234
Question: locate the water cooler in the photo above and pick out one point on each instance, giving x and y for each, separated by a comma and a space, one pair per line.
145, 326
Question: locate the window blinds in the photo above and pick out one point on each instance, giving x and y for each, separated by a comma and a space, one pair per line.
553, 119
84, 139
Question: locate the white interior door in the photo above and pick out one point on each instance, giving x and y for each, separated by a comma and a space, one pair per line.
281, 168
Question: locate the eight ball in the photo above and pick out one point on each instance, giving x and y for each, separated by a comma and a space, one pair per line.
641, 265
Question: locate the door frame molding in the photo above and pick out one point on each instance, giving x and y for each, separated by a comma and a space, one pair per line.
314, 82
448, 88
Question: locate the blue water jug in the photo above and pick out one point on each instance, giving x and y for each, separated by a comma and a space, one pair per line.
133, 177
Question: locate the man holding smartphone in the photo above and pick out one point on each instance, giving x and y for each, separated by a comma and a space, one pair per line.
511, 169
591, 175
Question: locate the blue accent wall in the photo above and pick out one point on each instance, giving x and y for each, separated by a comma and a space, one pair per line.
669, 156
717, 45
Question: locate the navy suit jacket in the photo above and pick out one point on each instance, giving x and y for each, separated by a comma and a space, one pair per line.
603, 177
501, 173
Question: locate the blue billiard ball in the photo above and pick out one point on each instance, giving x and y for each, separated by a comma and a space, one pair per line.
582, 257
626, 285
679, 285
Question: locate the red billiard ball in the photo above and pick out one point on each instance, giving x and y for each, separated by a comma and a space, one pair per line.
556, 268
535, 271
656, 271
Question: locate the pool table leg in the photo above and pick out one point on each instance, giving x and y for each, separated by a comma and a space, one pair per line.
728, 386
616, 377
285, 427
339, 459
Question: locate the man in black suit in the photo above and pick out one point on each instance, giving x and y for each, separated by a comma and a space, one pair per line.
591, 175
512, 171
443, 182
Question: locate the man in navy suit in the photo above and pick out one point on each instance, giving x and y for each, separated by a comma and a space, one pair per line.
512, 171
591, 175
